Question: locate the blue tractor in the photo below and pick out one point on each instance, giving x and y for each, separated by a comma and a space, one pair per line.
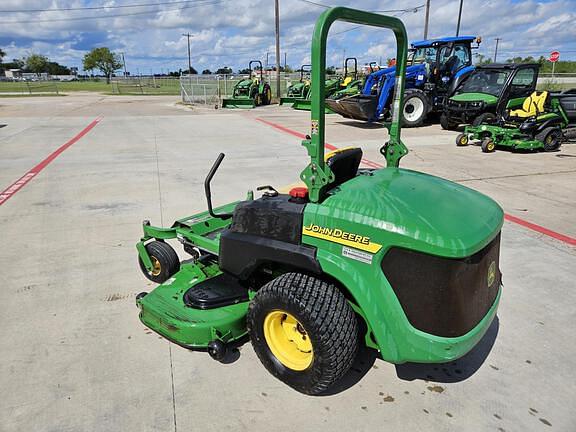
436, 68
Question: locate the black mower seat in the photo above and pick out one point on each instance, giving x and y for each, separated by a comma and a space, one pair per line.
344, 163
533, 105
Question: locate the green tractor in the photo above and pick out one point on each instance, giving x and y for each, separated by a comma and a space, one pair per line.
333, 85
542, 123
392, 259
489, 87
300, 89
252, 91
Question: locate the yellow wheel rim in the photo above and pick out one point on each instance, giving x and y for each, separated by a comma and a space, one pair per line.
491, 145
463, 140
288, 340
156, 267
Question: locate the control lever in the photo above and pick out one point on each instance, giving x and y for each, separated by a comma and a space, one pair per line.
207, 189
273, 192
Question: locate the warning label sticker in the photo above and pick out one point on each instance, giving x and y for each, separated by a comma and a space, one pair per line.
357, 255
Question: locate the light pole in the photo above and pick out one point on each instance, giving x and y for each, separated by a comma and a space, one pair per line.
277, 16
426, 19
189, 60
496, 49
459, 18
124, 63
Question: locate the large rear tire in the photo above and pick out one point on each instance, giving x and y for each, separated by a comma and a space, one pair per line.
551, 138
415, 108
446, 123
303, 331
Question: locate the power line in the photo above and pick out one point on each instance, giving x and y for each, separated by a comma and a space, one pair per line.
136, 5
196, 4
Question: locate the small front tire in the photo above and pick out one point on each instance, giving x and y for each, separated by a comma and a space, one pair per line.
217, 350
488, 145
462, 140
164, 259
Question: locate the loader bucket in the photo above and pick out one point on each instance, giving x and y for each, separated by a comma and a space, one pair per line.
358, 107
238, 103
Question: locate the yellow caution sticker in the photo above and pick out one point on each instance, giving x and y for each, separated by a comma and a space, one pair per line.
337, 235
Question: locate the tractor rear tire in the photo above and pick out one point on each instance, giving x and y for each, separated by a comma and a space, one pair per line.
164, 259
415, 108
267, 95
485, 118
446, 123
488, 145
303, 331
551, 138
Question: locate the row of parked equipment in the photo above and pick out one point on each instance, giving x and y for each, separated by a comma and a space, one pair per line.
498, 102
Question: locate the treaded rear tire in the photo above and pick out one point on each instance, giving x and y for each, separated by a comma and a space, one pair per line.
328, 320
551, 138
167, 258
486, 118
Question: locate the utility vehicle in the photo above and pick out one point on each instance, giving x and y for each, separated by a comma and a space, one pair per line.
399, 261
251, 91
489, 87
543, 122
436, 68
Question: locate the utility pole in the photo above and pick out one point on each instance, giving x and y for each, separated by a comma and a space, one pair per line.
124, 62
459, 18
277, 14
426, 19
189, 61
496, 49
285, 61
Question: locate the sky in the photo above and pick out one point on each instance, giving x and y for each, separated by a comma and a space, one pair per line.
231, 32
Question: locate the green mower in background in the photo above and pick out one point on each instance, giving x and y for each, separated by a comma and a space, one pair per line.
392, 259
542, 123
250, 92
333, 85
300, 89
478, 98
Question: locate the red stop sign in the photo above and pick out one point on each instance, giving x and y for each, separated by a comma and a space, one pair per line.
554, 56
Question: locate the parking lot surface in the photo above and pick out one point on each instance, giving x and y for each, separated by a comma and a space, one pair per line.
75, 357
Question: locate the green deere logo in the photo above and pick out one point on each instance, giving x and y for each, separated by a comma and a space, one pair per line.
491, 273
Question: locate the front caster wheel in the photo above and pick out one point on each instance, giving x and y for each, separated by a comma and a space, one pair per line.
217, 350
462, 140
165, 262
488, 145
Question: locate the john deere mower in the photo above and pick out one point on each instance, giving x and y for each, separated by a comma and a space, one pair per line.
399, 261
252, 91
487, 89
300, 89
333, 85
543, 122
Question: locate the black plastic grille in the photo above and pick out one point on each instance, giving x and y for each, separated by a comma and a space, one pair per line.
443, 296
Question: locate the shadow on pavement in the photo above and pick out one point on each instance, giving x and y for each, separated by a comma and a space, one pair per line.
454, 371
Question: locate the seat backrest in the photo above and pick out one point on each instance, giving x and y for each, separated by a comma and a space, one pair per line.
534, 104
346, 81
344, 164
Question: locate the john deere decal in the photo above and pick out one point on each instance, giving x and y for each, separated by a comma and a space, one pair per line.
337, 235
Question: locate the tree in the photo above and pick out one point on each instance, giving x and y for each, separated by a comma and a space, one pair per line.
224, 71
104, 60
206, 72
2, 55
54, 68
36, 63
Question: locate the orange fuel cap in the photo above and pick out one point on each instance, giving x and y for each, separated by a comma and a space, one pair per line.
299, 192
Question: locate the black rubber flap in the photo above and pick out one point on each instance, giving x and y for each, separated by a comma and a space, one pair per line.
218, 291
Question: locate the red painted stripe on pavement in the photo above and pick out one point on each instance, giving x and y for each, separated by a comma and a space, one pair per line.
11, 190
542, 230
524, 223
302, 136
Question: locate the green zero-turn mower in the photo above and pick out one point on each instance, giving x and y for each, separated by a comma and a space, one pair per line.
397, 260
543, 122
250, 92
478, 98
347, 82
300, 89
